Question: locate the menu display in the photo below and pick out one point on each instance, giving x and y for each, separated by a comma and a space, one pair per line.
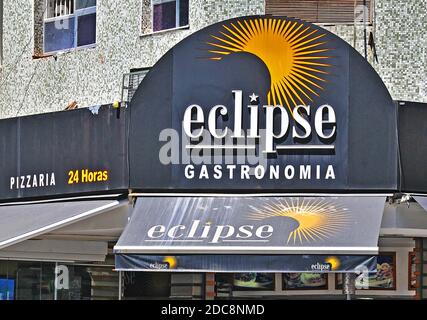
305, 281
254, 281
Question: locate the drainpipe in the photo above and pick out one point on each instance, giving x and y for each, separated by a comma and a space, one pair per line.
365, 36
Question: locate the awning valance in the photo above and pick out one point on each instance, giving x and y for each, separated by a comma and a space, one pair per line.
181, 226
26, 221
246, 263
422, 201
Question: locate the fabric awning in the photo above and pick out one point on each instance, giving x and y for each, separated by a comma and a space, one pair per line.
407, 220
26, 221
219, 226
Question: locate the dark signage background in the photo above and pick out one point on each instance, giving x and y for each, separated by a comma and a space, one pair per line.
413, 147
365, 154
63, 153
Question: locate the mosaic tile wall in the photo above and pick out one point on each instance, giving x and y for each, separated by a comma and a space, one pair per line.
94, 76
146, 17
39, 10
401, 38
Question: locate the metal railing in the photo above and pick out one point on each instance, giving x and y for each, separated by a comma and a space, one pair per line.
130, 84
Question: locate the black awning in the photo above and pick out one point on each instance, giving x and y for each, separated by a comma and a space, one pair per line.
244, 226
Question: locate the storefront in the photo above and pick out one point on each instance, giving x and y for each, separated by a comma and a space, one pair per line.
63, 204
220, 160
60, 250
260, 157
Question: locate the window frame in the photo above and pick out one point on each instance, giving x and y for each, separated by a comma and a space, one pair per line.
76, 14
177, 15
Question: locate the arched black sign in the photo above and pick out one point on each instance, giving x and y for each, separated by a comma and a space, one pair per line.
263, 103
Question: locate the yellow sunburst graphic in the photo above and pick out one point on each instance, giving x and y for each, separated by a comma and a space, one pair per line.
317, 219
293, 52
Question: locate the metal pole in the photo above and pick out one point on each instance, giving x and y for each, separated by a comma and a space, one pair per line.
364, 29
56, 282
120, 285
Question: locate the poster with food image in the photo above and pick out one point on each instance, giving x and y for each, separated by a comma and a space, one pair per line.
412, 275
254, 281
308, 281
383, 279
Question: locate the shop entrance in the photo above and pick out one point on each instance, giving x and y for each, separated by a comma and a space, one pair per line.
35, 280
162, 285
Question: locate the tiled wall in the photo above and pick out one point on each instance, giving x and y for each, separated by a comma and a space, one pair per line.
94, 76
401, 36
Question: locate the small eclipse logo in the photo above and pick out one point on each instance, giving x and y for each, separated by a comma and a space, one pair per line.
171, 261
293, 52
334, 262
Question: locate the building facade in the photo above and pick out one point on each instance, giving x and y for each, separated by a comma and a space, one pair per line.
58, 54
35, 81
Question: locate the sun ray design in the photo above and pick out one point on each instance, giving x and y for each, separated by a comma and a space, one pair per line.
293, 52
317, 219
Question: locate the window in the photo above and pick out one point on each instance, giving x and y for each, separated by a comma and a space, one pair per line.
322, 11
159, 15
169, 14
146, 285
35, 280
69, 24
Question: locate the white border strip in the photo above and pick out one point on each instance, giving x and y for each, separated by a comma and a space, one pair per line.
58, 224
306, 147
404, 232
60, 199
270, 293
261, 250
254, 195
218, 147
